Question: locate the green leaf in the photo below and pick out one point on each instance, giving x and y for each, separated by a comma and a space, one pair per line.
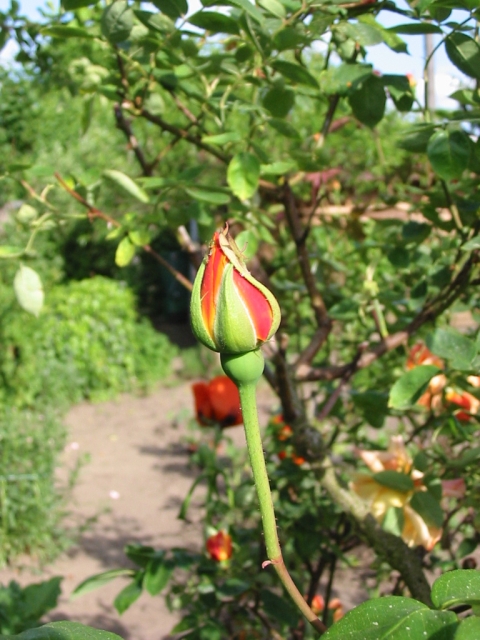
42, 597
464, 53
345, 77
7, 251
139, 238
468, 629
395, 618
472, 244
283, 127
157, 575
368, 101
243, 174
394, 480
295, 73
410, 386
127, 596
279, 608
457, 587
97, 581
249, 8
399, 90
72, 5
140, 554
205, 194
277, 168
274, 7
214, 22
415, 28
416, 139
117, 21
453, 346
279, 101
65, 630
232, 588
449, 153
63, 31
125, 252
172, 8
223, 138
247, 242
29, 290
127, 184
428, 507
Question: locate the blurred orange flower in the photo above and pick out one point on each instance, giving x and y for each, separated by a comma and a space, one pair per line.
219, 546
418, 355
217, 402
466, 401
380, 498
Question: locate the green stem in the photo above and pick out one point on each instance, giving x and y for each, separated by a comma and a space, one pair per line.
257, 460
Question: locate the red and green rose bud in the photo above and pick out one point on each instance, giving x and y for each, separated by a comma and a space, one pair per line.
231, 311
219, 546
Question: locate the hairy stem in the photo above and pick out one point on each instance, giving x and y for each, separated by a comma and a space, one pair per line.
257, 460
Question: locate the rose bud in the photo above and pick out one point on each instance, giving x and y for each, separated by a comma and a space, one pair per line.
231, 311
219, 546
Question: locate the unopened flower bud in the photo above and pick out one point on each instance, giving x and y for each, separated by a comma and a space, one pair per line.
231, 311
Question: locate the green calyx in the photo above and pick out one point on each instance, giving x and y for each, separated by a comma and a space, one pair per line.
243, 368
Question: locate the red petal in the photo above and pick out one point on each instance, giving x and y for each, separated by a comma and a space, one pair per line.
210, 283
203, 406
258, 306
225, 401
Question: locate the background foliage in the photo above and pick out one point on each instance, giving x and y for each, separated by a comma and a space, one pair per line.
135, 130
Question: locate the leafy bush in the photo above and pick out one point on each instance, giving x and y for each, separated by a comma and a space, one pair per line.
88, 343
30, 504
22, 608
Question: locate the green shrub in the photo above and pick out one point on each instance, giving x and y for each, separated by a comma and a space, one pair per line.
23, 608
30, 503
87, 343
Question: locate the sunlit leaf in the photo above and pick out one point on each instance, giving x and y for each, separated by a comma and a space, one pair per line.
243, 174
457, 587
410, 386
29, 290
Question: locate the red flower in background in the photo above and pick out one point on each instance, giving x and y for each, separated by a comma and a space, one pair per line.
466, 401
218, 402
219, 546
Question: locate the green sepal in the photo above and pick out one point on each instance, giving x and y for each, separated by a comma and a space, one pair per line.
233, 330
196, 316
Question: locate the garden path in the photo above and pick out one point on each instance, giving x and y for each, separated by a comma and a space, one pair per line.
132, 487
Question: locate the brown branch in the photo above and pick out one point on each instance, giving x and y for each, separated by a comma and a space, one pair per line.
181, 133
428, 314
299, 236
125, 125
93, 213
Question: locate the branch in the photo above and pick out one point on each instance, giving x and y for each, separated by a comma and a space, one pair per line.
387, 546
93, 213
124, 125
178, 131
429, 313
316, 301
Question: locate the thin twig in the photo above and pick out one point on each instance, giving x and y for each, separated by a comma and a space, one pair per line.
93, 213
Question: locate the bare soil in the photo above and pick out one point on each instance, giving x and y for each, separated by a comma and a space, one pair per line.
132, 487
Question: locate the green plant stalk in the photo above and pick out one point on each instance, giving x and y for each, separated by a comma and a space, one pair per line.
248, 403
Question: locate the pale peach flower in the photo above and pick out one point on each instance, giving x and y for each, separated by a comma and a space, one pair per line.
380, 498
474, 381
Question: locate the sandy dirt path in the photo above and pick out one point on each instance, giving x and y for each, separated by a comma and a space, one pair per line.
133, 485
